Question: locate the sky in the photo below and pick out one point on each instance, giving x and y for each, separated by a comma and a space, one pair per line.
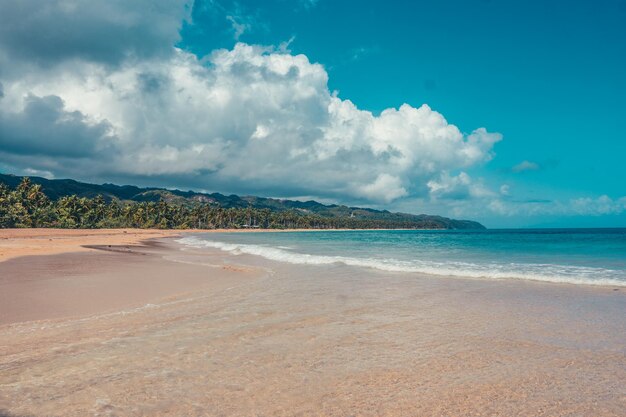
506, 112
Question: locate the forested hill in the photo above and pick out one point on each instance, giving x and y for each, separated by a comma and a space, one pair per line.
335, 214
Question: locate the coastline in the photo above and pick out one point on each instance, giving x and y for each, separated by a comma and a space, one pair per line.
49, 241
202, 332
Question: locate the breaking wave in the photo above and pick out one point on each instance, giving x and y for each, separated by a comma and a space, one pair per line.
490, 270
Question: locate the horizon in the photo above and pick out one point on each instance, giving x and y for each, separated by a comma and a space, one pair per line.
506, 113
355, 207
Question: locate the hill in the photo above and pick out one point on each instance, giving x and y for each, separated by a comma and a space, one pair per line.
58, 188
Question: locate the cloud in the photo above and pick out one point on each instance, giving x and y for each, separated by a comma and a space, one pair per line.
459, 187
46, 32
37, 173
598, 206
221, 21
585, 206
45, 128
238, 27
525, 166
249, 119
386, 188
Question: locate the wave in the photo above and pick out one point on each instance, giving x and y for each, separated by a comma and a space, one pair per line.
536, 272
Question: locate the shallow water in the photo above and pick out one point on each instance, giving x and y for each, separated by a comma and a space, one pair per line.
578, 256
327, 340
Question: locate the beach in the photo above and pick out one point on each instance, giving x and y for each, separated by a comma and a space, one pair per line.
133, 323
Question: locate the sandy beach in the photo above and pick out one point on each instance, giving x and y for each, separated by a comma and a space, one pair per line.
125, 323
28, 242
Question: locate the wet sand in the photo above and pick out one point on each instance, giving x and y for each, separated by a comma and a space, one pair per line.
224, 335
78, 284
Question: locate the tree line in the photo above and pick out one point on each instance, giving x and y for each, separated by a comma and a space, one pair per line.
28, 206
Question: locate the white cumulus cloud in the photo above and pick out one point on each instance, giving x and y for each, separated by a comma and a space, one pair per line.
247, 119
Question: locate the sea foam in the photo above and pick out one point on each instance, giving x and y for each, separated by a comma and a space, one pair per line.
490, 270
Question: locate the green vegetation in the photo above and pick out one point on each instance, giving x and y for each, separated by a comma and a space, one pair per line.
29, 204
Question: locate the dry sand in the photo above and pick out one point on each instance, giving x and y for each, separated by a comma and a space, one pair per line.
162, 332
24, 242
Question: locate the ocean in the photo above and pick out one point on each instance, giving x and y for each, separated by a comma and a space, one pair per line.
576, 256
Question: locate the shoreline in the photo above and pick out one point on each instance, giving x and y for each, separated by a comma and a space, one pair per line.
50, 241
32, 242
359, 262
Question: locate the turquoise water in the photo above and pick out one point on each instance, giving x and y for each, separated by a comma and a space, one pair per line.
580, 256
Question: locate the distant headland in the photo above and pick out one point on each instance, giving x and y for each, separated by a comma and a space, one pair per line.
66, 203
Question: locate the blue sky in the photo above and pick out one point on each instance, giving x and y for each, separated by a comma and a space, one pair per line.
546, 76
